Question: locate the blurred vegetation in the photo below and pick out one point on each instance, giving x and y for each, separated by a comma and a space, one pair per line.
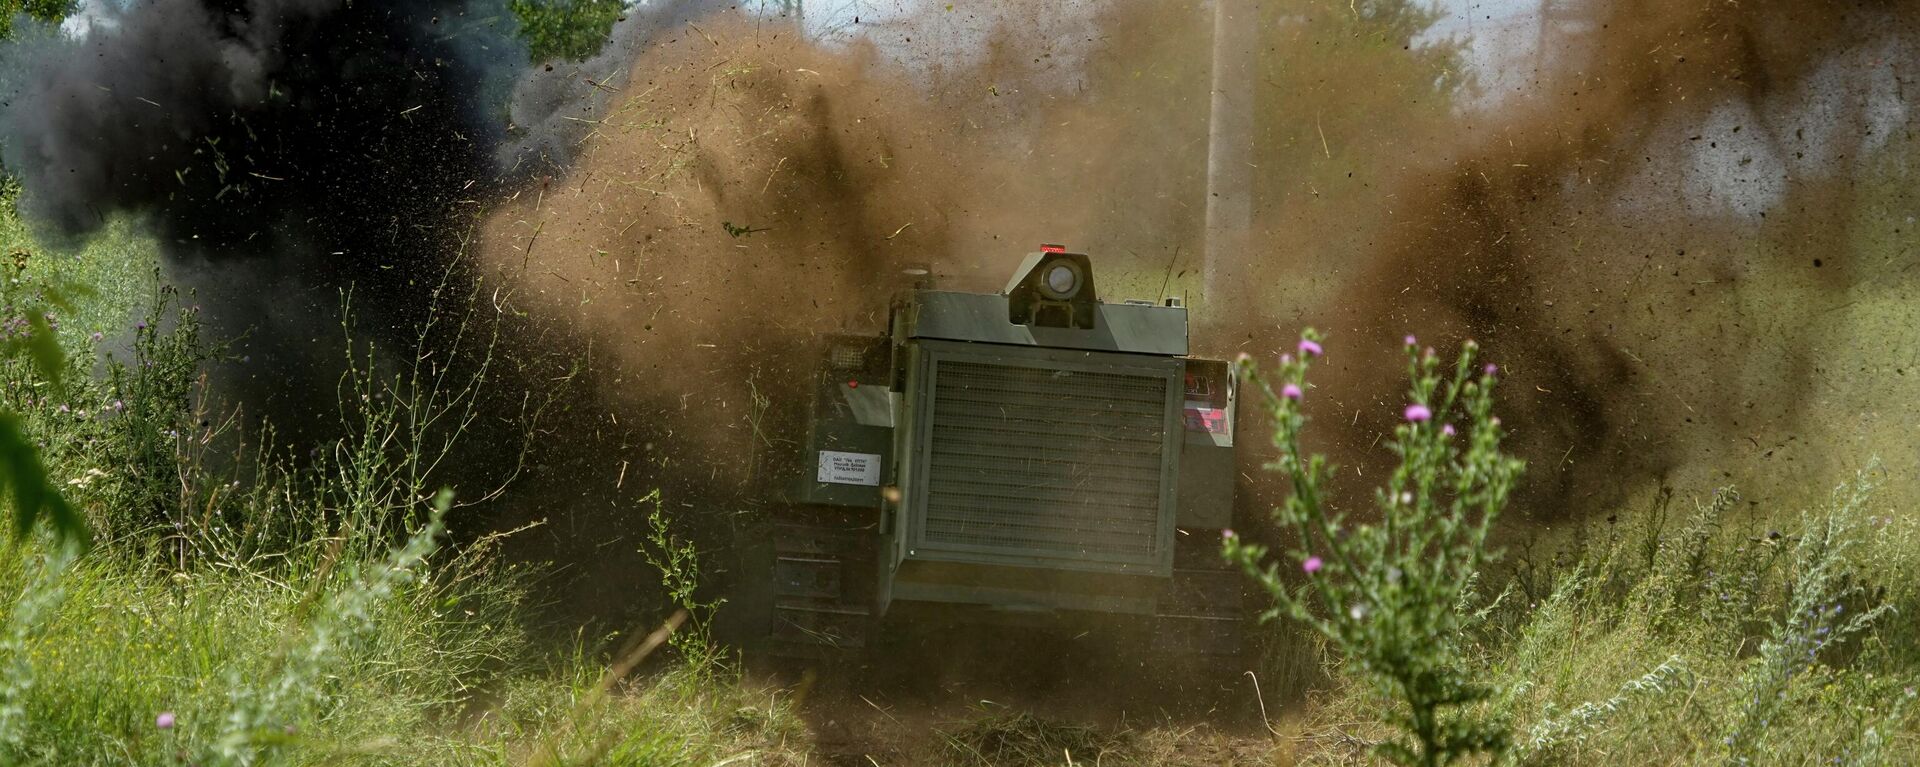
243, 607
43, 10
1716, 636
565, 29
1352, 81
52, 301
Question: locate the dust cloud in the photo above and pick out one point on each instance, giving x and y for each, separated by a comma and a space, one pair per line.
1645, 234
1653, 238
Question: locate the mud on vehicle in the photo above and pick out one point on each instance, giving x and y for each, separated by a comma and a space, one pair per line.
1033, 456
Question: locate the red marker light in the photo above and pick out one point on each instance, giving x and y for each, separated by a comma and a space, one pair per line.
1051, 248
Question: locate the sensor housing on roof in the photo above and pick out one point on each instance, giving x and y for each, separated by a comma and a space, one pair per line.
1053, 289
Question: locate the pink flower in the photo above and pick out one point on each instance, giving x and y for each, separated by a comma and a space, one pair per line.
1309, 348
1490, 369
1312, 565
1411, 341
1447, 429
1227, 533
1291, 391
164, 721
1418, 413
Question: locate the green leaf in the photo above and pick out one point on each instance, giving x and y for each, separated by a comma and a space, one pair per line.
43, 348
22, 473
44, 10
570, 30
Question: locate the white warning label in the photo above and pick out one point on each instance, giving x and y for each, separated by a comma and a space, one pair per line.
849, 468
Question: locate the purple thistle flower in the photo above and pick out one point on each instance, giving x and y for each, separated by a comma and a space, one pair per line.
1312, 565
1309, 348
1226, 532
1447, 429
1490, 369
1418, 413
1292, 392
1411, 341
164, 721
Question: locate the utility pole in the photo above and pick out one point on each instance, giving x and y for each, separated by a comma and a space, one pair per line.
1228, 261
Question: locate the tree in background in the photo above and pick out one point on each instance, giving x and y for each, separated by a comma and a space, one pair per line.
564, 29
50, 11
1344, 89
1341, 82
44, 10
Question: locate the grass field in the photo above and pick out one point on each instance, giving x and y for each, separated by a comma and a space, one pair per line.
239, 610
244, 610
1681, 634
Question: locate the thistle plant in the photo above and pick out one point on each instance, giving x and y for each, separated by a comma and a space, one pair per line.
1391, 596
678, 561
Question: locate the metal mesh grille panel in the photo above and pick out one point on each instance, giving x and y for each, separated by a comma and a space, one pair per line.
1046, 461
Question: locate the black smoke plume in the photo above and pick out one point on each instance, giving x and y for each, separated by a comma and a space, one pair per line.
289, 153
264, 127
281, 151
286, 151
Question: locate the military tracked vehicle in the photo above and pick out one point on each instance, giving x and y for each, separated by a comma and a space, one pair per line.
1032, 455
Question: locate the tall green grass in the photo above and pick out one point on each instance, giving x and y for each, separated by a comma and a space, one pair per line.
361, 666
1729, 635
1725, 636
243, 607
